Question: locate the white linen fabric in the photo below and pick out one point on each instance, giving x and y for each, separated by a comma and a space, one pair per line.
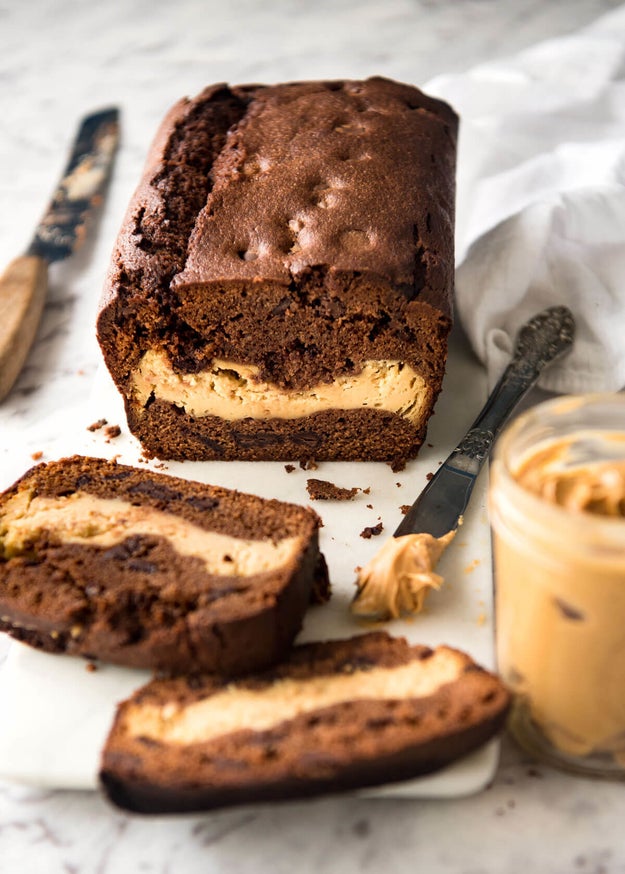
541, 200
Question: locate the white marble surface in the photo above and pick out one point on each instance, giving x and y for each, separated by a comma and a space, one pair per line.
61, 58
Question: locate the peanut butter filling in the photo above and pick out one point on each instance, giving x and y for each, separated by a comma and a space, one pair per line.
237, 708
399, 576
103, 522
234, 391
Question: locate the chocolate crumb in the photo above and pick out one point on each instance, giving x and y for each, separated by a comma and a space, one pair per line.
289, 468
91, 667
371, 531
36, 455
95, 426
309, 464
367, 491
369, 506
322, 490
398, 485
112, 431
404, 508
429, 476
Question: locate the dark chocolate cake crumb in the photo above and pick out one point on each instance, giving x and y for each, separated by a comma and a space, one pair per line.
322, 490
367, 491
404, 508
372, 531
369, 506
289, 468
112, 431
95, 426
429, 476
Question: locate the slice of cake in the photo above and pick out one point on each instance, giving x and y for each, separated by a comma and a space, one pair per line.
336, 715
281, 286
142, 569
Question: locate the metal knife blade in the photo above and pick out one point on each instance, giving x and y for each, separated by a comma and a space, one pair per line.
62, 227
24, 283
439, 507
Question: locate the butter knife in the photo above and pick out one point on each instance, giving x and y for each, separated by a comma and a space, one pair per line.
442, 503
60, 232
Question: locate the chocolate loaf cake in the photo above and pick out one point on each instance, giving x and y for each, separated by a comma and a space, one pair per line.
336, 715
142, 569
281, 286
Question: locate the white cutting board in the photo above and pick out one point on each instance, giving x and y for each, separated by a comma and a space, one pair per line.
56, 713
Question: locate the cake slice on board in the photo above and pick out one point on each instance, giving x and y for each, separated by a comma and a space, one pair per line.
334, 716
142, 569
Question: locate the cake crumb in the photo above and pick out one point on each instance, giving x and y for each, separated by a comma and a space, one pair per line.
91, 667
367, 491
372, 531
36, 455
369, 506
405, 508
112, 431
95, 426
308, 464
429, 476
322, 490
289, 468
398, 485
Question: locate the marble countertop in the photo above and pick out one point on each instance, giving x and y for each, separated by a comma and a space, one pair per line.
62, 58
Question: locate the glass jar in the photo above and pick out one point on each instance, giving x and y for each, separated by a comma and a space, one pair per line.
557, 509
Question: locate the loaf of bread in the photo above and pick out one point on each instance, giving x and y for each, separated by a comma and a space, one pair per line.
142, 569
281, 286
336, 715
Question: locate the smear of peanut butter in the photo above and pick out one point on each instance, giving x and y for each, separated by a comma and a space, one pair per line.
398, 578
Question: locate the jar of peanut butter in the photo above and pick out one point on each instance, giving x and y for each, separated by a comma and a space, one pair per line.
557, 507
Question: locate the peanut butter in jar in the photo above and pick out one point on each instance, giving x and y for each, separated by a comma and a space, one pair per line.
557, 506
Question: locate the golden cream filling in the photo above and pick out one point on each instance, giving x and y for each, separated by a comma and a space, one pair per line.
236, 708
103, 522
235, 391
399, 576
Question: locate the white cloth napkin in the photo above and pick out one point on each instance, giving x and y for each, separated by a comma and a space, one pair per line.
541, 200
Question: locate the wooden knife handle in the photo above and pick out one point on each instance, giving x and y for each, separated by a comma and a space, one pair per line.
23, 288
